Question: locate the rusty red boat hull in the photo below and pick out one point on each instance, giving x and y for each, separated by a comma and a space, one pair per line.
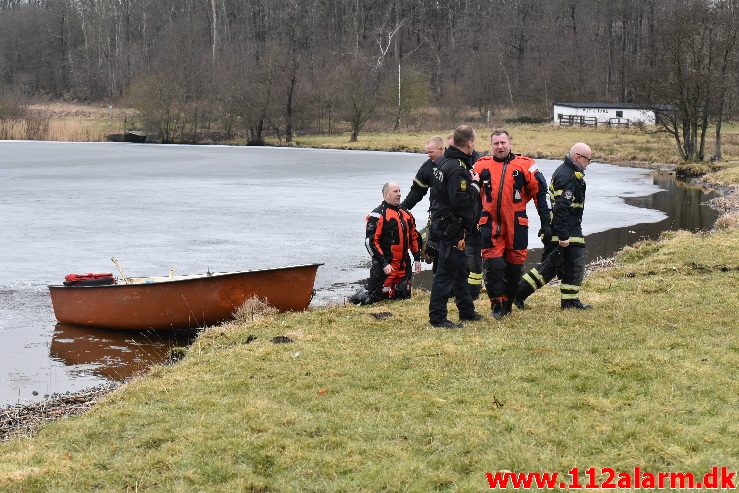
195, 301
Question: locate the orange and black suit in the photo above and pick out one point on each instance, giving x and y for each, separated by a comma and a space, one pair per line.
506, 187
391, 232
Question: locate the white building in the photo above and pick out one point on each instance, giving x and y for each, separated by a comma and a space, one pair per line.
580, 114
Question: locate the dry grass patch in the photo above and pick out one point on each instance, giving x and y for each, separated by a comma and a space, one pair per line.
728, 221
727, 173
252, 310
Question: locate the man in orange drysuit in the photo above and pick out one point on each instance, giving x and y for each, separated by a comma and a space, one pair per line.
391, 232
508, 182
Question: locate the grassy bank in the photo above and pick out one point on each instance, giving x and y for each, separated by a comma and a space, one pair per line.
91, 123
361, 401
619, 146
544, 141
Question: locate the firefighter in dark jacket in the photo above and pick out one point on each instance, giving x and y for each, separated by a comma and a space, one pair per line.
508, 182
391, 233
424, 178
454, 207
564, 253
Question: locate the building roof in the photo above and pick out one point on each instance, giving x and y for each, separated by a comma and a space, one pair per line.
616, 106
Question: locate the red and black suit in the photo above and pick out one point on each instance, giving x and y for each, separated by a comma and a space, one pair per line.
391, 233
507, 185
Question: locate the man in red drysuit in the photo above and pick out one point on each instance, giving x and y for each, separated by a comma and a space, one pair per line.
508, 182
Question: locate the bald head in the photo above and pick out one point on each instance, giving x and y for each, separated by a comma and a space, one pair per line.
581, 154
391, 193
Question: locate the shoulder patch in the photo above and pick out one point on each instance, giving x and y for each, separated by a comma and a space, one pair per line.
568, 194
463, 185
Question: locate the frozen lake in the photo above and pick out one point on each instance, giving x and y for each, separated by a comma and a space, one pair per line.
70, 207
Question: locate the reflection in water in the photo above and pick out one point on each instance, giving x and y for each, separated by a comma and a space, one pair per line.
684, 204
116, 355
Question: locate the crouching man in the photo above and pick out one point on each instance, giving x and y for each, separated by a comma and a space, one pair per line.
391, 234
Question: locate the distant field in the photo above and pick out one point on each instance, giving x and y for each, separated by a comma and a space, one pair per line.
91, 123
544, 141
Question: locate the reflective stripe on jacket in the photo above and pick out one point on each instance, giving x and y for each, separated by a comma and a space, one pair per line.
567, 196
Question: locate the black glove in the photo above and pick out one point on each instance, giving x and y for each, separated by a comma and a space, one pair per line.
545, 233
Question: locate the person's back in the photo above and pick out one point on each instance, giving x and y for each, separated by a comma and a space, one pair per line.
455, 192
453, 213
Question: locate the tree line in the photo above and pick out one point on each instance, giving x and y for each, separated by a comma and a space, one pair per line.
220, 69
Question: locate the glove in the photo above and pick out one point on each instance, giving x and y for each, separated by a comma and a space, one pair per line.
545, 233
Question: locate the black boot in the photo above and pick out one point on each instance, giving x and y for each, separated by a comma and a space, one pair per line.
576, 304
524, 291
446, 324
473, 317
500, 308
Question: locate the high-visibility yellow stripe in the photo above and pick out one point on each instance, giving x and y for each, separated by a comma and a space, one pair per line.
579, 175
474, 281
557, 193
566, 296
577, 205
573, 239
569, 287
531, 282
420, 183
475, 275
537, 275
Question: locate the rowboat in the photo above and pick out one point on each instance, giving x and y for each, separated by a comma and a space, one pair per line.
180, 302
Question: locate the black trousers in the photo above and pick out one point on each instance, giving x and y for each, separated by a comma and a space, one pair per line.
566, 263
501, 278
451, 272
473, 252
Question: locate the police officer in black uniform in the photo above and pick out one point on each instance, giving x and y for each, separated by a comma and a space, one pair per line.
564, 252
454, 209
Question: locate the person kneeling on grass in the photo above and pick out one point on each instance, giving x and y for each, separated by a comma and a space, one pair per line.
391, 233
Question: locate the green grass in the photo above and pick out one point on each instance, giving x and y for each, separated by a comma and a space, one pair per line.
648, 378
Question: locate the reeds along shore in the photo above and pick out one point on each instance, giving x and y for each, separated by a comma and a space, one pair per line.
75, 130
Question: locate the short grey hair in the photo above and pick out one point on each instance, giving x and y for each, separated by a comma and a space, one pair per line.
437, 141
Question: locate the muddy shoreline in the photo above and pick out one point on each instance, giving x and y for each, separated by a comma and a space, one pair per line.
23, 419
